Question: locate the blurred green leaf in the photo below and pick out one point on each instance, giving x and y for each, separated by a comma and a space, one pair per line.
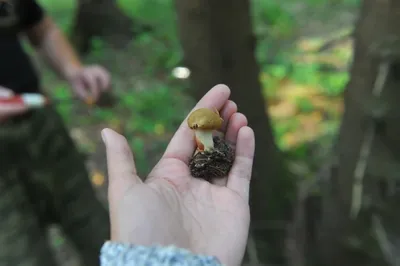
278, 71
62, 92
305, 104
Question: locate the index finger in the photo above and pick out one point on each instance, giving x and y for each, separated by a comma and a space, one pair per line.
103, 78
182, 144
5, 93
79, 89
93, 85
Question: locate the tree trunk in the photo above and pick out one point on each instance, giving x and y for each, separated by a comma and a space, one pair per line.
219, 46
102, 18
372, 237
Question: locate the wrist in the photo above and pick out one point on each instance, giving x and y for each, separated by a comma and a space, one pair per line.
70, 70
113, 253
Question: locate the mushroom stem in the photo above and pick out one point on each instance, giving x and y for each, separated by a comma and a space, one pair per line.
204, 140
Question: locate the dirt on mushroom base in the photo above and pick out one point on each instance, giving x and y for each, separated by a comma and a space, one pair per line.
213, 164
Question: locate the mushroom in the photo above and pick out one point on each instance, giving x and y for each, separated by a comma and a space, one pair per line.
203, 121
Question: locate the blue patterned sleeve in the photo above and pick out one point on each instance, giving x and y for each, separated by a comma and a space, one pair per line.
117, 254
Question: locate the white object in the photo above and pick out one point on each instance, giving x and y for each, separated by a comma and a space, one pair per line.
34, 99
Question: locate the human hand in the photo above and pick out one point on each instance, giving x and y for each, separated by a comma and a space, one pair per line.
173, 208
12, 109
89, 82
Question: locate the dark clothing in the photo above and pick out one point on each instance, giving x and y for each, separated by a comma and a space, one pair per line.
43, 179
16, 70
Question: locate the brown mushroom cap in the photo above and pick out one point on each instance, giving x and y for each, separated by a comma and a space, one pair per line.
205, 119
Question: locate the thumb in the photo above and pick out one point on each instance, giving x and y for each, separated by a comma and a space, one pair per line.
9, 109
6, 93
122, 173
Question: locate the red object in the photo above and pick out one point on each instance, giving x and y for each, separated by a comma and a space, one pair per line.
28, 99
13, 100
200, 145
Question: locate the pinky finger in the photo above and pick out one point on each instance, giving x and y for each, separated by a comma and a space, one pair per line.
240, 174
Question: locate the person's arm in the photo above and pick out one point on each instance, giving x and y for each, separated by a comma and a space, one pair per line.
113, 253
48, 39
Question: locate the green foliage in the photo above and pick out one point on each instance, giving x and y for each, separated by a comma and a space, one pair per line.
138, 148
157, 108
306, 74
63, 11
161, 46
331, 84
164, 55
334, 83
273, 18
65, 108
97, 47
305, 105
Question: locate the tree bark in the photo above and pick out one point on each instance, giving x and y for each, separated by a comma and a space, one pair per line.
372, 238
219, 46
102, 18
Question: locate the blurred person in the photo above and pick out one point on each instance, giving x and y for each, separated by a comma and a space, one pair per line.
43, 179
173, 218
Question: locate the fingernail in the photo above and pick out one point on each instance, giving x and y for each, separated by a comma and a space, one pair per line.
104, 136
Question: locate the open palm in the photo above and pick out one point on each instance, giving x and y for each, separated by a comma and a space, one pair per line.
173, 208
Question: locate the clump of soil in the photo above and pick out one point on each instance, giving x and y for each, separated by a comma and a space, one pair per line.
213, 164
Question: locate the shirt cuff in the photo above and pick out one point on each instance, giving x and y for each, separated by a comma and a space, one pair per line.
119, 254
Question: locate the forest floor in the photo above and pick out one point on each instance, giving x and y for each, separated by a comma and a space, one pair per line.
304, 107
